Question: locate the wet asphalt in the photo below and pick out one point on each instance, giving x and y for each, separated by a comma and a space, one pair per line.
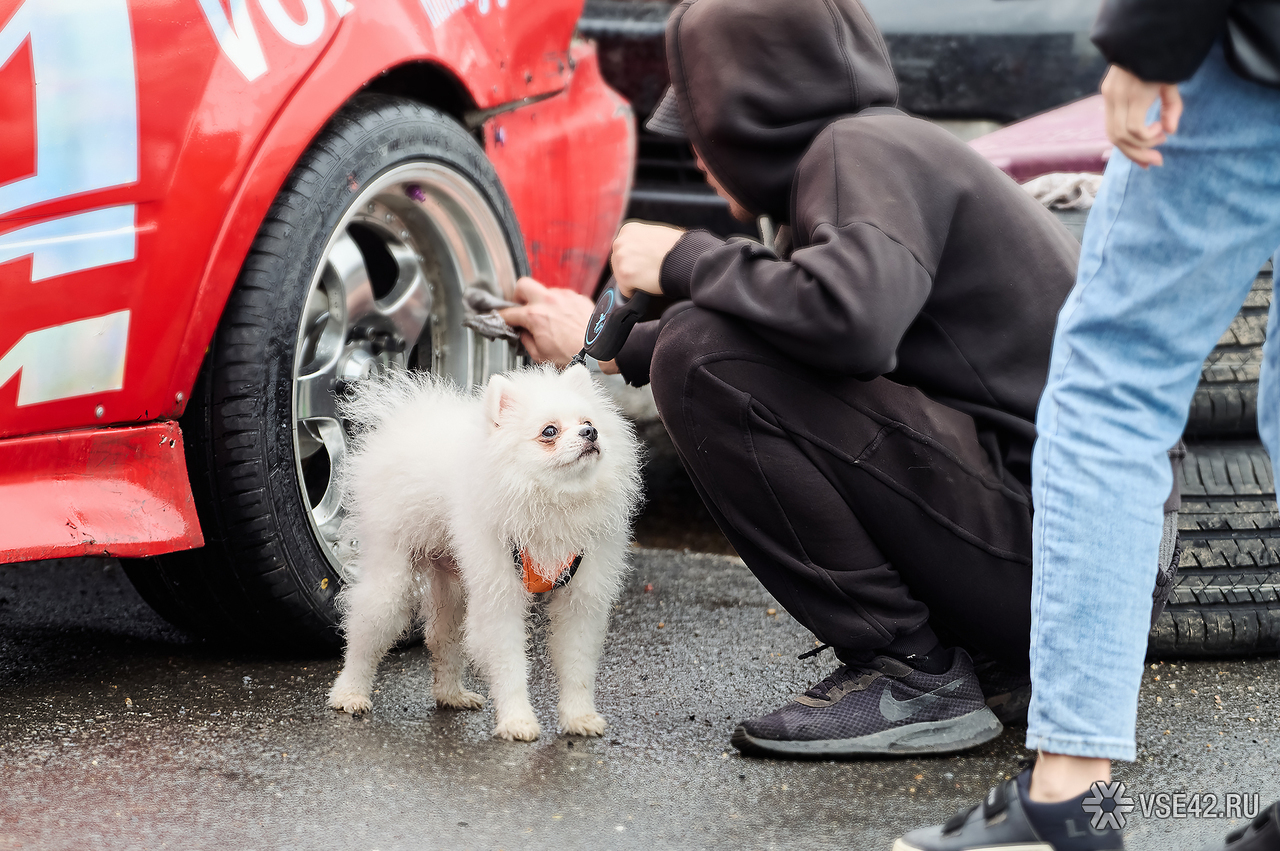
120, 732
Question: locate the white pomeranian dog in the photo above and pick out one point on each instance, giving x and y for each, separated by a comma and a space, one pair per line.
463, 507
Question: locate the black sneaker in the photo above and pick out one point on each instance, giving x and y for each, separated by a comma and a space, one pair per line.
880, 708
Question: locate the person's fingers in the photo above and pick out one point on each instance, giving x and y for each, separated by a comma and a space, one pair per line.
1170, 108
1135, 124
531, 347
516, 317
1140, 155
1115, 118
529, 290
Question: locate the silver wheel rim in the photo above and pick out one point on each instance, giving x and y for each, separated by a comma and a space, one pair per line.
387, 294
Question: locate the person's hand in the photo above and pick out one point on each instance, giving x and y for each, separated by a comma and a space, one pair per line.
1127, 99
638, 252
551, 322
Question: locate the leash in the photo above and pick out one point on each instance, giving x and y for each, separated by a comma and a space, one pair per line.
535, 582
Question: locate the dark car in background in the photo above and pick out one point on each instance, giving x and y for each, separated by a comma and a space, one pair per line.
971, 64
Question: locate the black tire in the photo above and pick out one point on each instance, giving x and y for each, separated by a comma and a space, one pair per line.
1226, 401
1226, 597
266, 577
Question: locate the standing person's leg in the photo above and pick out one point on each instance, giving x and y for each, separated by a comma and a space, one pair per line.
1269, 380
871, 513
1168, 257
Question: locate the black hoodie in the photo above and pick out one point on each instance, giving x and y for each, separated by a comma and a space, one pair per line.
913, 257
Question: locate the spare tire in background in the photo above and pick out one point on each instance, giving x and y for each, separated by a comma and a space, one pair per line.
1226, 597
1226, 402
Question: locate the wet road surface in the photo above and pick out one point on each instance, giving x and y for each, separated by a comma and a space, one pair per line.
120, 732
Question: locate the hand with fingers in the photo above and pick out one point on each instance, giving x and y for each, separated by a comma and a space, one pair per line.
638, 252
1128, 98
551, 322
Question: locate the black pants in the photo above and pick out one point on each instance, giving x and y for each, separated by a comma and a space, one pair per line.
867, 509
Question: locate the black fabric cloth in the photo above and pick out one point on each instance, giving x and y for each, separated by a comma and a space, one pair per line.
866, 508
1167, 40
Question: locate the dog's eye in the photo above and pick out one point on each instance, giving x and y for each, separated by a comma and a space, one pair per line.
550, 432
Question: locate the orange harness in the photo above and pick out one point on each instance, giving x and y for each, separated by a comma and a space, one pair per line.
534, 581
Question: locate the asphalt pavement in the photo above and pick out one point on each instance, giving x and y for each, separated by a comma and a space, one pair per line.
120, 732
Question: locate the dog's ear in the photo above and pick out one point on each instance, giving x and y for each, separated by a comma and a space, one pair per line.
580, 377
498, 398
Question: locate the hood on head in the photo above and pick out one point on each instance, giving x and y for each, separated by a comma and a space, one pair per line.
757, 80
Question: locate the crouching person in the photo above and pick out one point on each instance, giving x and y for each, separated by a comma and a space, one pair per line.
856, 403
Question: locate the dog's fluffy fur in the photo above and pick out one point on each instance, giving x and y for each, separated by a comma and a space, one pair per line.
439, 486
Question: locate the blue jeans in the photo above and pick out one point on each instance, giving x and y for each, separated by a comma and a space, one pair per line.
1169, 255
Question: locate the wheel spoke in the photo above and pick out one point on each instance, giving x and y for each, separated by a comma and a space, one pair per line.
315, 395
347, 264
328, 512
409, 312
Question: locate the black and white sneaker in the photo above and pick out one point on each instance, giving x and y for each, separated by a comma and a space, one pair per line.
1007, 821
880, 708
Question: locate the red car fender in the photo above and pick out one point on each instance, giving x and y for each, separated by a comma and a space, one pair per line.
567, 164
353, 58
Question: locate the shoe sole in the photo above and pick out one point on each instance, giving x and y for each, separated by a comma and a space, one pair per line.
924, 737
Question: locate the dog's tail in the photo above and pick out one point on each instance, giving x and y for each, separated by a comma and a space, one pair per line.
368, 403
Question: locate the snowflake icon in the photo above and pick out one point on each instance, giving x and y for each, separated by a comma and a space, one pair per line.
1108, 803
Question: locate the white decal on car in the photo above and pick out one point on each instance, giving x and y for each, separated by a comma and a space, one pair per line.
239, 40
74, 359
86, 102
74, 243
300, 34
439, 11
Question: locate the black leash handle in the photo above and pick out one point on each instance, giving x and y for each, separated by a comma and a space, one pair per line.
611, 322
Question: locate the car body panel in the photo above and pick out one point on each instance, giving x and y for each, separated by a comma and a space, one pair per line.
142, 142
110, 491
558, 159
1071, 138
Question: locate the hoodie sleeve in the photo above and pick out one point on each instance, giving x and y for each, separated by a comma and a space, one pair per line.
1159, 40
842, 302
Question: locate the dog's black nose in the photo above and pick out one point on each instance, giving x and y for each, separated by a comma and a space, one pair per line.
589, 433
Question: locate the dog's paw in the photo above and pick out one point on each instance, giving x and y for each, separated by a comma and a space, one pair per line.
347, 700
589, 724
460, 699
518, 729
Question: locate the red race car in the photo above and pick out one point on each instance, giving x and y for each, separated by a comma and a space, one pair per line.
215, 213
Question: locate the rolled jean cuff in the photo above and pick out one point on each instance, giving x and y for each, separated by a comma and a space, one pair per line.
1092, 747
